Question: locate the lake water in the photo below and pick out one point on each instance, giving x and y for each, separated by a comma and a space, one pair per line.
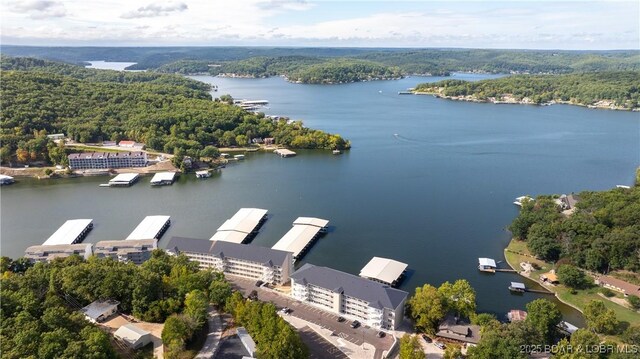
429, 182
109, 65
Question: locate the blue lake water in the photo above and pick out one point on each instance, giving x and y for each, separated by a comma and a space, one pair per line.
429, 182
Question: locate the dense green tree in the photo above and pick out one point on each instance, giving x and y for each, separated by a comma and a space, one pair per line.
410, 347
175, 334
631, 335
573, 277
427, 308
219, 291
504, 341
459, 297
634, 301
195, 307
599, 318
452, 351
543, 316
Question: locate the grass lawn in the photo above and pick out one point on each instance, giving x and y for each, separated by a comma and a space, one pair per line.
517, 252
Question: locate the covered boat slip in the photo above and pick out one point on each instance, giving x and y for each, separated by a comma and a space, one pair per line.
72, 231
151, 227
384, 270
124, 180
242, 226
301, 235
163, 178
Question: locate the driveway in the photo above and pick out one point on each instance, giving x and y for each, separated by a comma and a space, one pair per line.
210, 346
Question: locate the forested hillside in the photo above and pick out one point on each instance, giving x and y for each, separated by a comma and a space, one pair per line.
621, 88
602, 235
169, 113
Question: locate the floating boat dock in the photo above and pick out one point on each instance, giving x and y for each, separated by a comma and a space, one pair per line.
163, 178
203, 174
71, 232
243, 226
151, 227
384, 270
124, 180
405, 93
4, 180
567, 327
304, 232
283, 152
517, 287
487, 265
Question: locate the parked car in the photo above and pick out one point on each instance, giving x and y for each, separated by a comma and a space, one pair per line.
355, 324
259, 283
439, 345
340, 319
286, 310
380, 334
253, 295
426, 338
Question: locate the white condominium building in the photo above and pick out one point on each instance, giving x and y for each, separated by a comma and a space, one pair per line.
243, 260
97, 160
136, 251
373, 303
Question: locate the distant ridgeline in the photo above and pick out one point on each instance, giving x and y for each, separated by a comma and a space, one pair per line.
169, 113
334, 65
607, 89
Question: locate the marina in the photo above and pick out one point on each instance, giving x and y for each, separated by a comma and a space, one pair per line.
243, 226
384, 270
299, 238
71, 232
283, 152
151, 227
163, 178
124, 180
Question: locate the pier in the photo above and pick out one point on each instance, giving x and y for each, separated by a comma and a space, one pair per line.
124, 180
163, 178
487, 265
71, 232
243, 226
304, 232
283, 152
384, 270
151, 227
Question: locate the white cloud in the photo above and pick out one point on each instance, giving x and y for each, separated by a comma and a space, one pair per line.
155, 10
39, 9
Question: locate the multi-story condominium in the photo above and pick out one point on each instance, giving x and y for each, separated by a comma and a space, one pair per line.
136, 251
373, 303
244, 260
101, 160
46, 253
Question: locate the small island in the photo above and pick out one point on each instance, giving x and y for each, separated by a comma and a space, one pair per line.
617, 90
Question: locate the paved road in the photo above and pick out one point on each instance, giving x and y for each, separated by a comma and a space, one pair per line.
210, 345
317, 316
318, 347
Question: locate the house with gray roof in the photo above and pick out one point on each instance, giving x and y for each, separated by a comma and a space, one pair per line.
373, 303
244, 260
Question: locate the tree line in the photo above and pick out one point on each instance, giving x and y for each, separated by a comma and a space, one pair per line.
620, 87
168, 113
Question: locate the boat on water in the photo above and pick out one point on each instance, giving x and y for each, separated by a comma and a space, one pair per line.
520, 200
239, 157
336, 152
203, 174
405, 93
622, 186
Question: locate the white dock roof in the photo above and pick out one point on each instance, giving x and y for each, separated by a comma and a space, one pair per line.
487, 262
383, 269
68, 232
245, 220
229, 236
163, 176
311, 221
297, 239
518, 285
124, 177
149, 228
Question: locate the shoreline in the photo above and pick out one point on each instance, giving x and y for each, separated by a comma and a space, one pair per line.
519, 272
525, 101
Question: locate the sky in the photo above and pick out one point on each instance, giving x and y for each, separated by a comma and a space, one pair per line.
571, 25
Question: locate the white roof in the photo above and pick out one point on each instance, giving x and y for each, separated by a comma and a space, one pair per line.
297, 239
163, 176
284, 151
124, 177
5, 177
149, 228
518, 285
312, 221
99, 307
245, 220
229, 236
383, 269
202, 172
68, 232
487, 262
130, 333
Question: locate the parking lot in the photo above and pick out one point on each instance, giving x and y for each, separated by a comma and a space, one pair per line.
317, 316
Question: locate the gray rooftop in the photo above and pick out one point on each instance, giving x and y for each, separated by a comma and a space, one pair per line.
223, 249
377, 294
